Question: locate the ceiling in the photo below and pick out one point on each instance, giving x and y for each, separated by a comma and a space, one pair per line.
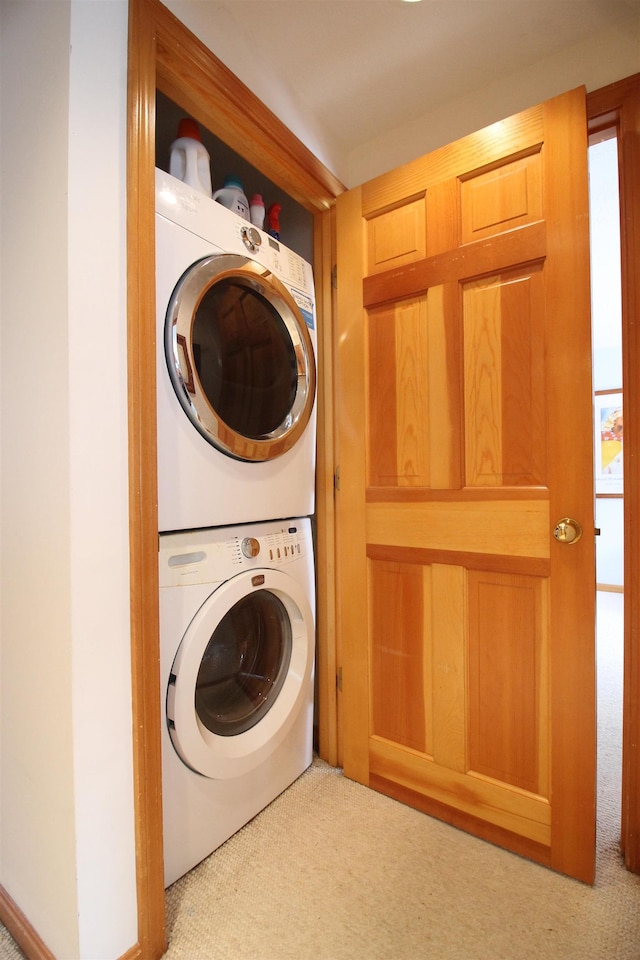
360, 68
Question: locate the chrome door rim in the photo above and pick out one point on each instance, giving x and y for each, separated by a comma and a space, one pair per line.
221, 757
183, 305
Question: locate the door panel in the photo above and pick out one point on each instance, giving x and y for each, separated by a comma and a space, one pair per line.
508, 729
464, 395
504, 415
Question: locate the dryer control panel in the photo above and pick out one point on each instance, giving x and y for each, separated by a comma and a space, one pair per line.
229, 233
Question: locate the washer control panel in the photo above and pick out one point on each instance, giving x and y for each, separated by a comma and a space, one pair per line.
283, 546
210, 556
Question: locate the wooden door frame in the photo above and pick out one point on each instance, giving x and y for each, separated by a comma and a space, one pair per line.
618, 106
164, 55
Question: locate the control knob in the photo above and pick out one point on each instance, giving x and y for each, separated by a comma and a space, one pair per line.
250, 547
251, 238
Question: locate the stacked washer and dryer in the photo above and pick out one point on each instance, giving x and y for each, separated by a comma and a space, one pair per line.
236, 375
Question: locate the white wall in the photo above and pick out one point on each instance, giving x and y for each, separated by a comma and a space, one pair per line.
99, 479
37, 815
67, 853
595, 63
614, 54
235, 44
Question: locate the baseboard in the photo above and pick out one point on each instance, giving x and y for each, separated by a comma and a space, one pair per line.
133, 953
28, 940
21, 930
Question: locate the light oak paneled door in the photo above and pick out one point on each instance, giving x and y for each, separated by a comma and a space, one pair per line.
464, 399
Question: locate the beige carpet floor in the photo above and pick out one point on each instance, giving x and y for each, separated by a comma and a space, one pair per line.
333, 871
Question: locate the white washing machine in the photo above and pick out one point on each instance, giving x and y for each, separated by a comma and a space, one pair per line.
237, 646
236, 367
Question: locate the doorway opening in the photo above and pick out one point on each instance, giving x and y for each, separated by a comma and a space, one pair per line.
606, 304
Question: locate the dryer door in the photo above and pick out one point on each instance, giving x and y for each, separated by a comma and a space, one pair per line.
242, 674
240, 357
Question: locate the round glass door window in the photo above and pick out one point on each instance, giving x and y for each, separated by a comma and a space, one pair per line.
240, 357
242, 674
244, 665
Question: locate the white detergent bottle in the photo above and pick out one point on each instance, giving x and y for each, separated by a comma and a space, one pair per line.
232, 196
189, 158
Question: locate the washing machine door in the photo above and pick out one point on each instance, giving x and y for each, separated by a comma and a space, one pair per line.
242, 674
240, 357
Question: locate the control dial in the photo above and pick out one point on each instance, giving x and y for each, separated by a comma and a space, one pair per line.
250, 547
251, 238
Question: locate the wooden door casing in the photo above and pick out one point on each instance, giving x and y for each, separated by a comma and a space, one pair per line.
617, 107
464, 394
164, 55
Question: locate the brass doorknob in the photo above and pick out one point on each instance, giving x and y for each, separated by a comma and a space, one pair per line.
567, 530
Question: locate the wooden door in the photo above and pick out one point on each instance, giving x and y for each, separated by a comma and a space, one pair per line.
465, 436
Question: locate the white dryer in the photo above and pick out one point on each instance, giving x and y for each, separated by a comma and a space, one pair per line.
236, 367
237, 646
